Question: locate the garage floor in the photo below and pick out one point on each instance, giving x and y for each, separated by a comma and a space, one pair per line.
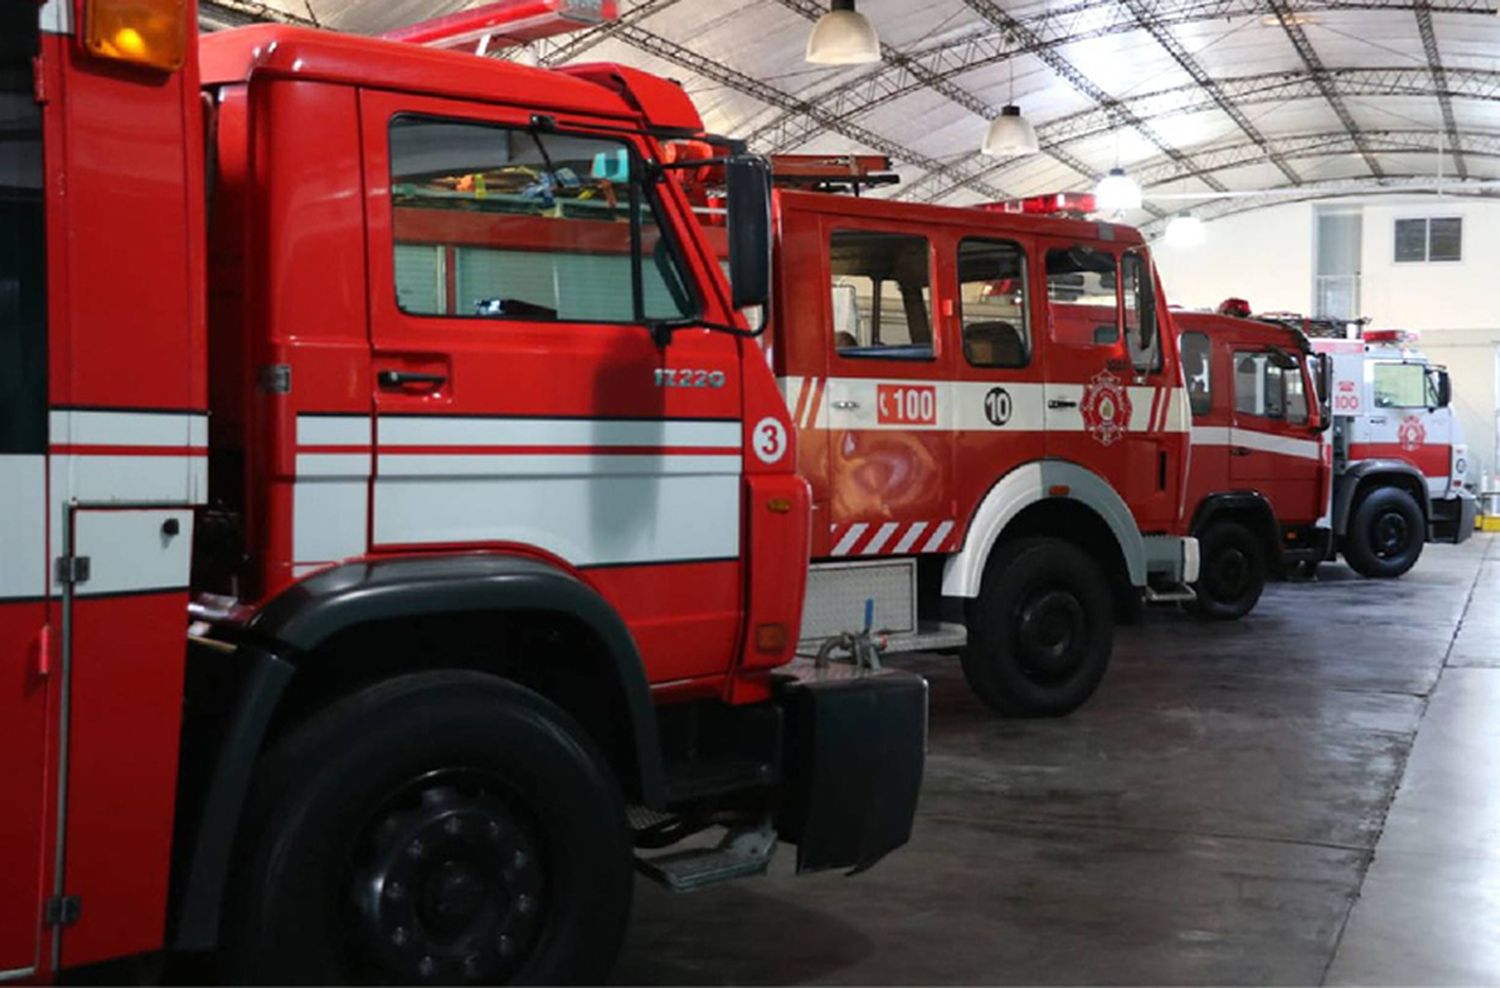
1312, 794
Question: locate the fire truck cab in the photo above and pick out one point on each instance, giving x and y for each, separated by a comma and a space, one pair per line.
1399, 460
1258, 487
408, 380
994, 426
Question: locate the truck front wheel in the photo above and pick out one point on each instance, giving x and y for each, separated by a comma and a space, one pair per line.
1041, 629
1234, 572
1386, 534
439, 828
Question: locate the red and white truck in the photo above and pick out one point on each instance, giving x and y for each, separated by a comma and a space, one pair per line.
993, 422
1259, 485
1371, 468
1400, 464
411, 379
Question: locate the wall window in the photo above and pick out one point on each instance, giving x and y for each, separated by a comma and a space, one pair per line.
1404, 386
1197, 370
993, 303
502, 223
1430, 239
1082, 291
1264, 386
882, 295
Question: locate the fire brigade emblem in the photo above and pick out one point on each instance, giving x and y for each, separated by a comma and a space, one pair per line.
1105, 408
1412, 433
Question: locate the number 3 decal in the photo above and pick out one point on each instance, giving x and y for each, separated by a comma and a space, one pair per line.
769, 440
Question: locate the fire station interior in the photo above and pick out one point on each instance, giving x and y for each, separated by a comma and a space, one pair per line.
750, 492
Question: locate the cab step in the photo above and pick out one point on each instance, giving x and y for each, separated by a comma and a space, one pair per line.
1180, 594
742, 854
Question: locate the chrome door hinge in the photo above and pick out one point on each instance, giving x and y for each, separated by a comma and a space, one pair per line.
71, 570
63, 910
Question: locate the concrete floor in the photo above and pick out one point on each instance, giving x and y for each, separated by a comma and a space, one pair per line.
1311, 794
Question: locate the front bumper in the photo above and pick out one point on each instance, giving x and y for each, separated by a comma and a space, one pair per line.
1453, 518
1171, 559
856, 741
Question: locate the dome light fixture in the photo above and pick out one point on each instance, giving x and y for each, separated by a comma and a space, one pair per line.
1185, 230
1117, 192
1011, 135
843, 36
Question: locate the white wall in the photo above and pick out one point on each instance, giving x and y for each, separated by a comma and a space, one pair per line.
1266, 256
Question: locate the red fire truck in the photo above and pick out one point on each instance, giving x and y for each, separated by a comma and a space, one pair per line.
994, 428
1259, 484
406, 375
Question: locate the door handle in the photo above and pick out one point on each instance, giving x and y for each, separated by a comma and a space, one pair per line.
1240, 451
394, 380
1061, 403
845, 405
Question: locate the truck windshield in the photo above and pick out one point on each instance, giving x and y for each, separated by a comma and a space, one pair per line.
509, 223
1404, 386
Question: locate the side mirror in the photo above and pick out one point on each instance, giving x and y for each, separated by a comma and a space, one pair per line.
1445, 389
1324, 379
748, 181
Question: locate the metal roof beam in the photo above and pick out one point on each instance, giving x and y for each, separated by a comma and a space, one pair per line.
1267, 87
1402, 184
1146, 16
1423, 10
555, 51
1319, 74
1070, 73
960, 173
1325, 144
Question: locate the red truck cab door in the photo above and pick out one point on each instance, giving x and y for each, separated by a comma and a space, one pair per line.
887, 404
521, 403
1274, 445
1113, 391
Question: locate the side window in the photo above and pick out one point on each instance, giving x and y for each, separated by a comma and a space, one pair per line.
501, 223
1082, 292
992, 298
1197, 371
23, 253
1265, 386
1401, 386
882, 295
1139, 298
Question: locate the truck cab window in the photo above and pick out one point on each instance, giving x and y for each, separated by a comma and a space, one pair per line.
1197, 371
23, 256
503, 223
1265, 388
1083, 293
1139, 310
882, 295
992, 298
1403, 386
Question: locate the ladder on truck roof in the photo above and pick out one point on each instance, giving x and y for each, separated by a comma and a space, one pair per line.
506, 24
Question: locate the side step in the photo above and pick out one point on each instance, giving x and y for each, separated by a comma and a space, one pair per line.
742, 854
1179, 594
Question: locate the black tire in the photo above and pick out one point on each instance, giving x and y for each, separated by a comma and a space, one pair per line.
1386, 534
1041, 630
446, 816
1233, 573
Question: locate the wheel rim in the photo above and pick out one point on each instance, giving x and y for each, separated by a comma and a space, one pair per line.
1229, 576
1391, 535
448, 884
1052, 635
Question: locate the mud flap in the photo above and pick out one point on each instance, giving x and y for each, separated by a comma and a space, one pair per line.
856, 742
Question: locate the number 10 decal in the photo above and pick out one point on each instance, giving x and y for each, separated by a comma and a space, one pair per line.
769, 440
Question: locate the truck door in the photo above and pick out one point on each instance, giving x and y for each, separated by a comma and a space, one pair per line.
1273, 446
1409, 422
889, 404
1000, 404
1203, 374
24, 689
1109, 393
520, 400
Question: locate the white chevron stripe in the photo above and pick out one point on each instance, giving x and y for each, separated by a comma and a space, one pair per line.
850, 539
880, 539
938, 537
910, 538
